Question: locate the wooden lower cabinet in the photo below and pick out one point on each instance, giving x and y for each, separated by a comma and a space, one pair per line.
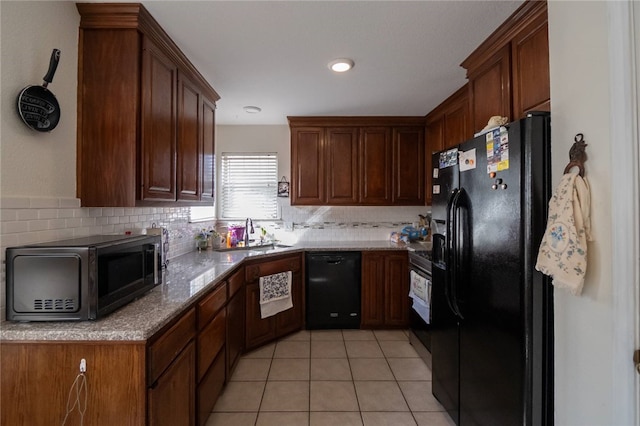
176, 376
210, 388
258, 330
172, 398
262, 330
235, 331
385, 289
36, 378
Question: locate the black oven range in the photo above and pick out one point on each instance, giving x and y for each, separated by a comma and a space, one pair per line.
420, 319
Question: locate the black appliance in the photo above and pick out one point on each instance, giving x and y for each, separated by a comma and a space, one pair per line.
80, 279
492, 334
419, 320
333, 289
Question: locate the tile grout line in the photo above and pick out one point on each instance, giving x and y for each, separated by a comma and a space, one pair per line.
272, 357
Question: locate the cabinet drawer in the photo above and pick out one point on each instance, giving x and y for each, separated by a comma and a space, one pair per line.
211, 304
253, 272
169, 345
235, 282
210, 341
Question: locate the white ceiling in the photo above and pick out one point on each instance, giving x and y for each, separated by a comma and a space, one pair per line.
274, 54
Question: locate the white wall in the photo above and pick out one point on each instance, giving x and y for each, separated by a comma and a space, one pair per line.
579, 67
36, 163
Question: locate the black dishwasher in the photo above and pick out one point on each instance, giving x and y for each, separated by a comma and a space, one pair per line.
333, 289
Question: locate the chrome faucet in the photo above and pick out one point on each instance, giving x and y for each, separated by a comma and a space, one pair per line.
248, 229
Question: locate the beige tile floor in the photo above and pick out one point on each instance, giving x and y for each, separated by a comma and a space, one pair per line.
331, 378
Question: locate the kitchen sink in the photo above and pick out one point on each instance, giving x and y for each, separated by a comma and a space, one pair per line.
256, 247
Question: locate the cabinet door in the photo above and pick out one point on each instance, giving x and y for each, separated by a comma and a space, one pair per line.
396, 295
257, 330
189, 144
158, 148
109, 108
210, 342
372, 291
408, 165
457, 124
375, 165
307, 166
235, 330
342, 165
210, 389
291, 319
530, 68
490, 89
434, 141
172, 398
208, 152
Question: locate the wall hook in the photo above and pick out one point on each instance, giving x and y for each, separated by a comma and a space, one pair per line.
577, 155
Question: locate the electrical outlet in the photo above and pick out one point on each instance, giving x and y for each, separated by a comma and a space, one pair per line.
288, 226
83, 365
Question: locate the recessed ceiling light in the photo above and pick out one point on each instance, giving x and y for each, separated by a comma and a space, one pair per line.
252, 109
341, 65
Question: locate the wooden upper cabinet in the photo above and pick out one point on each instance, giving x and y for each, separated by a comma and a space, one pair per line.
189, 144
159, 84
457, 121
408, 165
141, 123
490, 89
375, 165
159, 90
342, 165
530, 68
447, 125
509, 72
108, 130
208, 151
351, 160
307, 166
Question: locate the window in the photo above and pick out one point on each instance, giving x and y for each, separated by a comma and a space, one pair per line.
249, 185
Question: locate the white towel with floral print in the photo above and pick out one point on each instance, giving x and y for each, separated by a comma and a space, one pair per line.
275, 294
563, 251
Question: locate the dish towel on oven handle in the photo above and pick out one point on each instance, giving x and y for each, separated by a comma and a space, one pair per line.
275, 294
563, 251
420, 293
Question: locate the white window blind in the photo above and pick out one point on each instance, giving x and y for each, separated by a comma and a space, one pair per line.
249, 185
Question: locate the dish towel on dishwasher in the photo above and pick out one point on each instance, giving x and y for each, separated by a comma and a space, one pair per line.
275, 294
420, 292
563, 251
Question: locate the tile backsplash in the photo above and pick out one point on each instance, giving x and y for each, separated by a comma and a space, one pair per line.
26, 220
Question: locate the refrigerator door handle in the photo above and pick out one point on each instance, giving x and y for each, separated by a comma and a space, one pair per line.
456, 245
449, 251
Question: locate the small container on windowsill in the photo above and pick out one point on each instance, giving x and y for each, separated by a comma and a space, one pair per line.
201, 244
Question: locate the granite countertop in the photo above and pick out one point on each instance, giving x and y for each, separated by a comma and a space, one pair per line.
187, 278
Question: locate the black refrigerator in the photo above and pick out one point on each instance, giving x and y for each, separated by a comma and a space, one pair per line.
492, 312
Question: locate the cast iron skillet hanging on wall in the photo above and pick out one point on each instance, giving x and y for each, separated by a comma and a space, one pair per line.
37, 106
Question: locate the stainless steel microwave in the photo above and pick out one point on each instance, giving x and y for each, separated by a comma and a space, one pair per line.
80, 279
